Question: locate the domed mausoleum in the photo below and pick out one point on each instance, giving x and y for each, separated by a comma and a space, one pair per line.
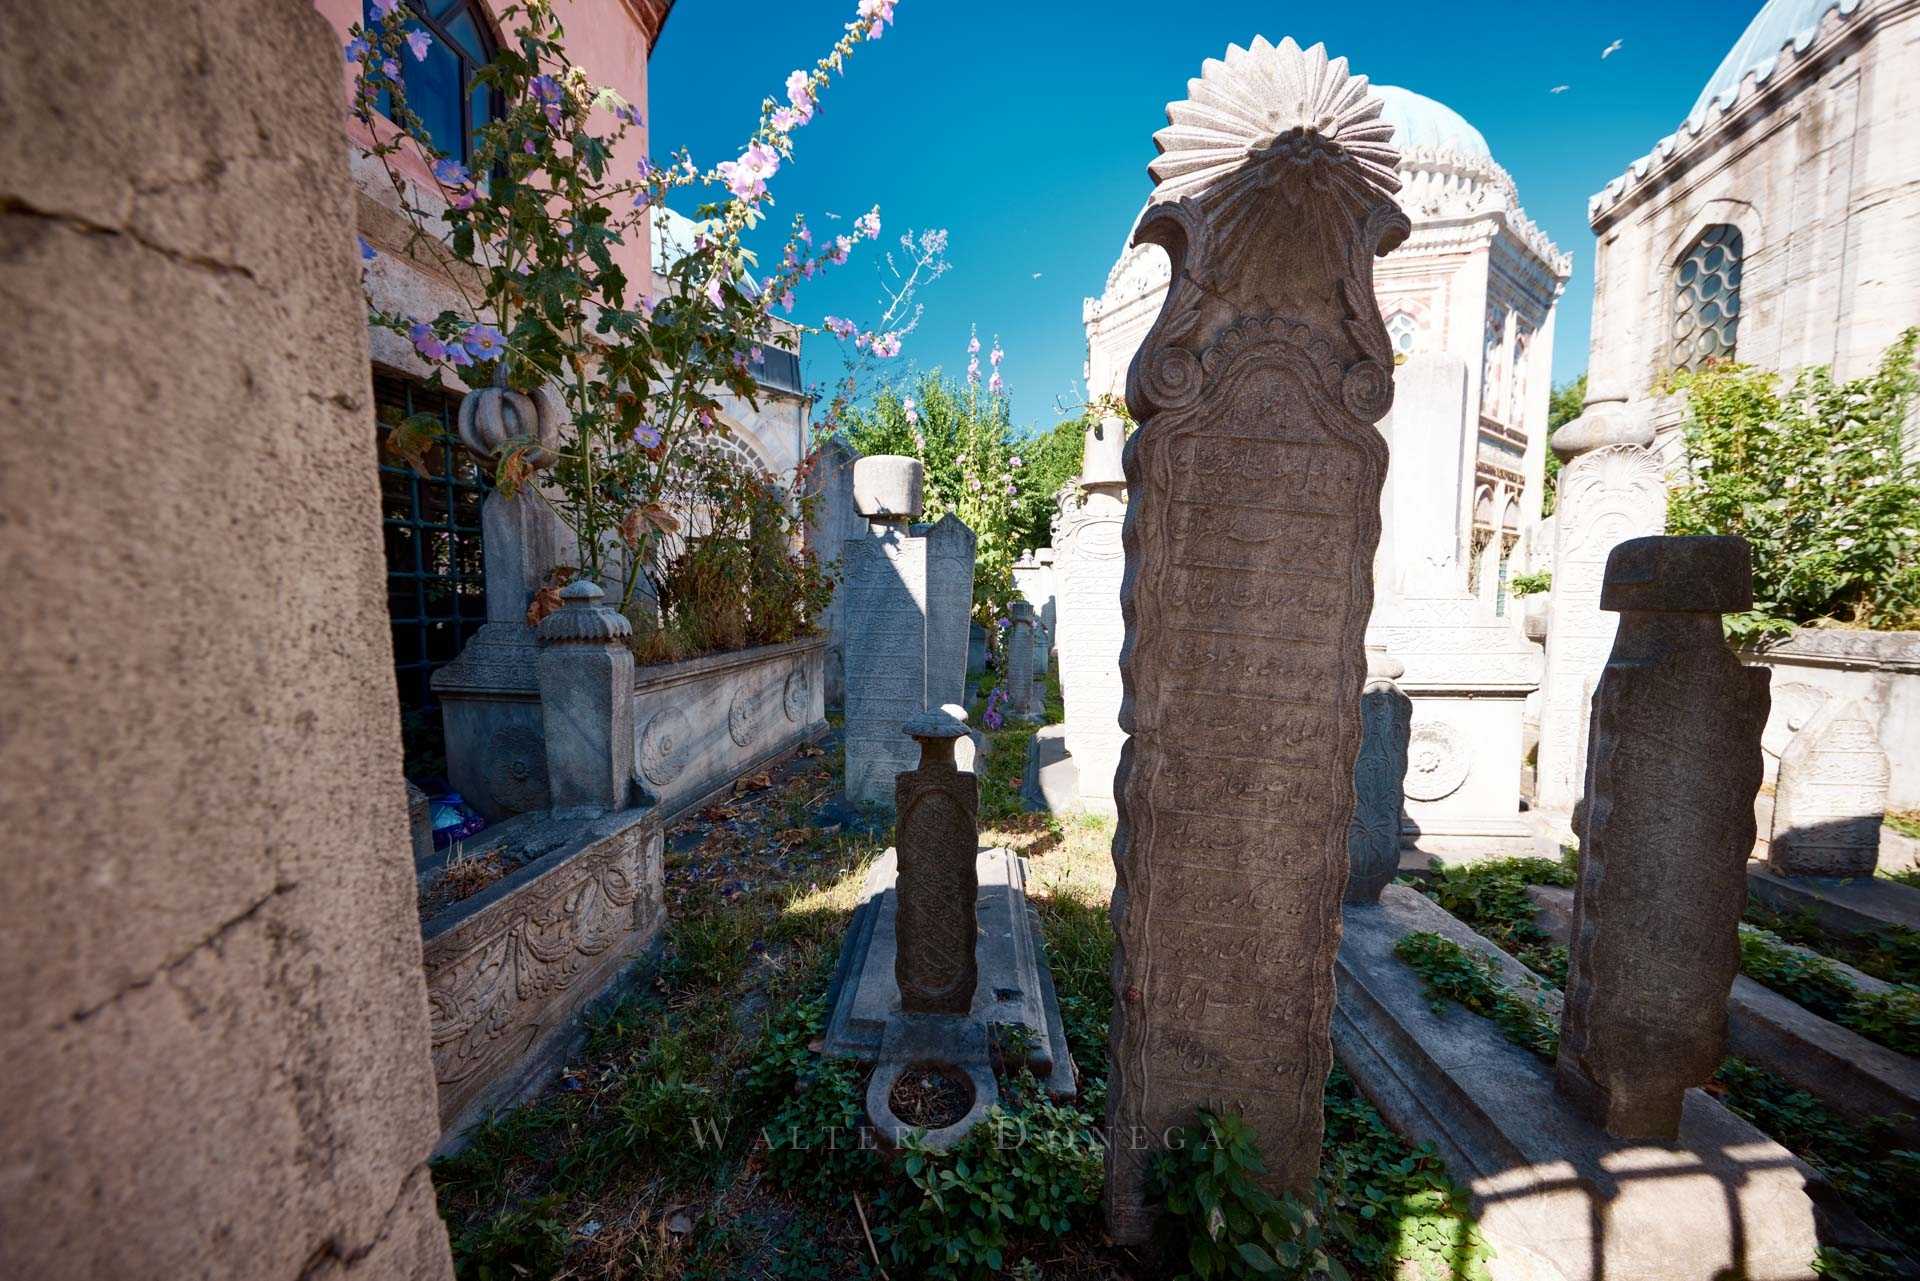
1473, 290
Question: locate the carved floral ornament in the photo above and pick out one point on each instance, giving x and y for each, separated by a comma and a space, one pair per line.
1272, 121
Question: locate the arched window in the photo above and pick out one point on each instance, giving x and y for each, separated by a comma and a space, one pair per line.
440, 87
1706, 298
1402, 331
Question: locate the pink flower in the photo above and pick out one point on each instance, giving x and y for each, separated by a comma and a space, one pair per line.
419, 42
800, 96
876, 14
913, 413
804, 236
840, 327
646, 169
786, 119
747, 177
842, 246
886, 346
994, 385
996, 355
786, 302
868, 224
385, 8
463, 198
973, 369
1014, 461
426, 342
646, 305
713, 290
646, 435
973, 346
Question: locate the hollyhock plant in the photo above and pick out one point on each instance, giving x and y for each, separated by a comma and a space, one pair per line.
537, 216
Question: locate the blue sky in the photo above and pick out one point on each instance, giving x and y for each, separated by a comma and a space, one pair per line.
1026, 129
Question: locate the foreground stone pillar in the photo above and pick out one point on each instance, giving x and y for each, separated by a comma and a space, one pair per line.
586, 701
216, 1030
1379, 780
1091, 629
1254, 510
1610, 490
1673, 767
886, 625
937, 838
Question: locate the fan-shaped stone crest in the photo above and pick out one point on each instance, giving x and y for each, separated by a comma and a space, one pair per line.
1275, 116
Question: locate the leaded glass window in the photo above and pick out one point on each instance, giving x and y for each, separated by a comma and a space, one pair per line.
1402, 331
1706, 298
441, 88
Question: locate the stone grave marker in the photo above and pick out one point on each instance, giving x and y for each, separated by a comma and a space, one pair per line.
937, 838
1091, 629
1673, 766
1831, 797
885, 583
1379, 779
1610, 490
1254, 509
950, 556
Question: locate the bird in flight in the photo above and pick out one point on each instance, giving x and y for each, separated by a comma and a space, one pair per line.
1610, 50
1559, 88
1036, 275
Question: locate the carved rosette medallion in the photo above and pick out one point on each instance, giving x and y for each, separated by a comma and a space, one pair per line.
664, 746
743, 713
1254, 511
1437, 761
797, 695
516, 769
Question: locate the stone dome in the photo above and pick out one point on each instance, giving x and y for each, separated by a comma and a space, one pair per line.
1421, 124
1779, 24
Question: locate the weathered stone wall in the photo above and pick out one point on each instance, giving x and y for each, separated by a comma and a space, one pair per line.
216, 1028
1816, 168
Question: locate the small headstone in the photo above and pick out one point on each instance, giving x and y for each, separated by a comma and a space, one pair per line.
950, 557
1831, 797
1379, 780
586, 701
1673, 765
1020, 673
1254, 486
1610, 490
938, 841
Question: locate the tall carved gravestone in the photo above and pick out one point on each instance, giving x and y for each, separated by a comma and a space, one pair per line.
950, 556
1831, 797
1022, 682
1091, 628
831, 521
1379, 780
1254, 487
886, 620
936, 837
1610, 490
1673, 767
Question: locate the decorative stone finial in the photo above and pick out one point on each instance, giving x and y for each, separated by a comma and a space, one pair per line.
582, 619
935, 725
1607, 419
493, 418
888, 487
1100, 460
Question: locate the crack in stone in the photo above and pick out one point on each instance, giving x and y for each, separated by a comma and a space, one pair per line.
212, 940
14, 205
329, 1251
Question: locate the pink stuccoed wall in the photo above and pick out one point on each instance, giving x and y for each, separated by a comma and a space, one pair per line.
608, 39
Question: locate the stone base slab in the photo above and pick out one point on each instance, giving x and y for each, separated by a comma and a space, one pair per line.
1015, 987
1844, 904
1557, 1197
1861, 1079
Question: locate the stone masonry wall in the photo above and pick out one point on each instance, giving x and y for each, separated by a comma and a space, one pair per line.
216, 1024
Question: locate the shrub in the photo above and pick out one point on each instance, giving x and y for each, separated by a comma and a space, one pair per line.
1814, 479
1221, 1220
527, 1242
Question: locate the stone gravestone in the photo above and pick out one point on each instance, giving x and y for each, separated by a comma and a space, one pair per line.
1090, 625
1021, 677
886, 621
937, 839
950, 556
1254, 483
831, 521
1610, 490
1379, 780
1831, 797
1673, 766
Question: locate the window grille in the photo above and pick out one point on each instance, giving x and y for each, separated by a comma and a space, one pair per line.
436, 564
1706, 298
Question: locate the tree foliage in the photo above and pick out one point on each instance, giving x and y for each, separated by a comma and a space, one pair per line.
1563, 406
1814, 478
